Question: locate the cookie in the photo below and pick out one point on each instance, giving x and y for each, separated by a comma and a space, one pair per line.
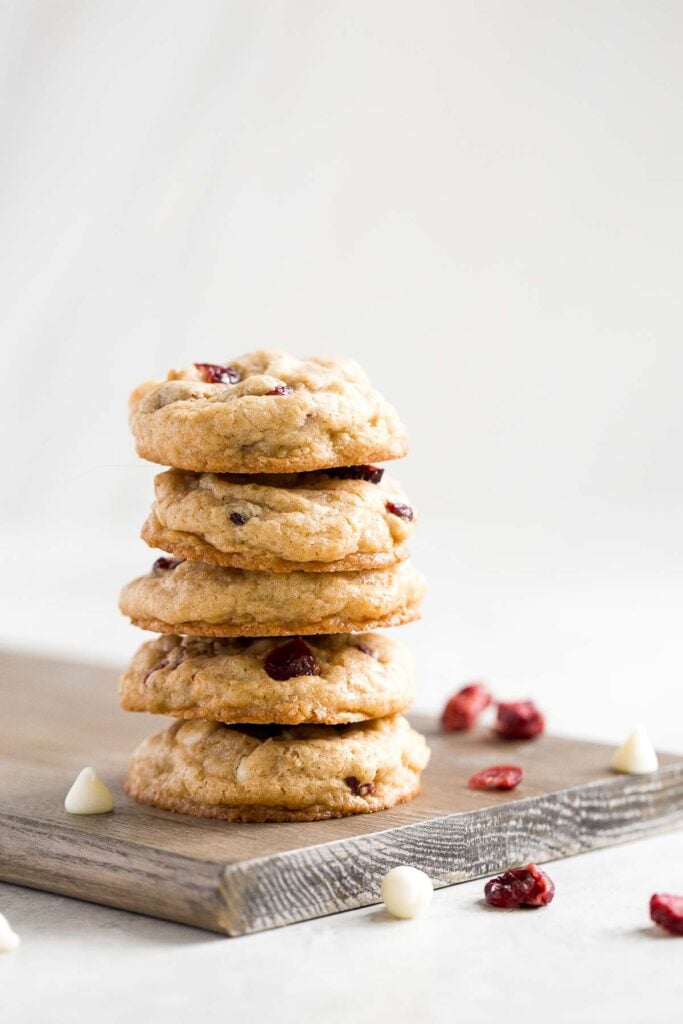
270, 773
265, 412
315, 522
212, 600
325, 679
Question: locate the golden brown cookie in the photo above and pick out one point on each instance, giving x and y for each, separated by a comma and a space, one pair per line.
326, 680
211, 600
265, 412
329, 521
267, 773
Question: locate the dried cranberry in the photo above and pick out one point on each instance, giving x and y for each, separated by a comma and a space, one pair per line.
464, 707
359, 788
164, 663
373, 474
281, 389
397, 509
667, 912
238, 518
499, 776
510, 889
520, 887
295, 658
366, 650
214, 373
166, 563
519, 720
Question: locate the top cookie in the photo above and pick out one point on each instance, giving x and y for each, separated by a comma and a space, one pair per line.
265, 412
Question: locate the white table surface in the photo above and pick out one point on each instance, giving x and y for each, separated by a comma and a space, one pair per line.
591, 956
597, 652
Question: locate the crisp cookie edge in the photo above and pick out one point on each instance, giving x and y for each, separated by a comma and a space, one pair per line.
271, 716
194, 549
329, 625
250, 813
347, 456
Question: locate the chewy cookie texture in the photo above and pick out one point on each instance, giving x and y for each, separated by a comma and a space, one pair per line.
285, 544
327, 521
324, 679
265, 412
266, 773
211, 600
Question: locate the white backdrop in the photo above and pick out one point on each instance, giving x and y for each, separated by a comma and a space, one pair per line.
480, 201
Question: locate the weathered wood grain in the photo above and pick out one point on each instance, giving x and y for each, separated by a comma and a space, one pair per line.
236, 879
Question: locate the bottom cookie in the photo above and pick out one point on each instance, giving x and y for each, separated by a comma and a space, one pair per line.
271, 773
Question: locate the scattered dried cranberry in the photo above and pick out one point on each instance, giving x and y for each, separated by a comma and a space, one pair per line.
214, 373
520, 887
359, 788
397, 509
238, 518
166, 563
373, 474
281, 389
499, 776
667, 912
295, 658
366, 650
464, 707
519, 720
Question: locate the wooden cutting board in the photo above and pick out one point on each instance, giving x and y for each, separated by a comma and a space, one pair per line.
57, 717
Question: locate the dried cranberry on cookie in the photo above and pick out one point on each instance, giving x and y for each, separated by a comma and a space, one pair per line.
265, 412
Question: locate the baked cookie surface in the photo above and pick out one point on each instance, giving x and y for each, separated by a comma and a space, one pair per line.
211, 600
323, 680
315, 522
266, 773
265, 412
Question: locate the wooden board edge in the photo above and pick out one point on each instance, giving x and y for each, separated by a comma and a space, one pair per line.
107, 870
345, 874
299, 885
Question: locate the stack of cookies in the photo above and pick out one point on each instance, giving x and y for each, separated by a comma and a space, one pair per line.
285, 544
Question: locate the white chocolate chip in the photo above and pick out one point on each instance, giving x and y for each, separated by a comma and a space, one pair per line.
406, 892
88, 795
9, 939
636, 755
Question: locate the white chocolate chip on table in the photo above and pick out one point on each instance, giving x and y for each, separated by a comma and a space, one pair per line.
9, 940
406, 892
636, 755
88, 795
